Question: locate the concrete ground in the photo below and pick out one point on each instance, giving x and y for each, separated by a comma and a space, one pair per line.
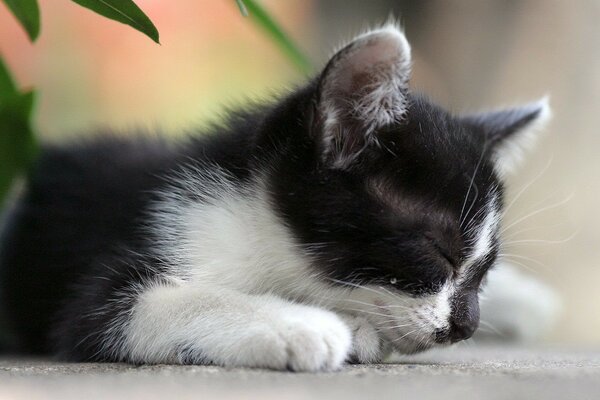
464, 372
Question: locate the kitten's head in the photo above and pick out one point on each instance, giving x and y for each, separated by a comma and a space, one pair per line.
397, 200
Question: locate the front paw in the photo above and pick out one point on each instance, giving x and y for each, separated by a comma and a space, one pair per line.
315, 340
367, 345
299, 339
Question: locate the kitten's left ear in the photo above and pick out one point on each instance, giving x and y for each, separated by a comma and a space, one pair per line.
512, 131
362, 88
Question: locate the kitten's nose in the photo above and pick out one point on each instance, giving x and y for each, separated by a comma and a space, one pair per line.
465, 316
462, 330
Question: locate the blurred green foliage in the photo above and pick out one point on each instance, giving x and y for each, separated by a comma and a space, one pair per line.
262, 18
18, 145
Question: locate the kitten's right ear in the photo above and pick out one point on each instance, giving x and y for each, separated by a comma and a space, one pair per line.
362, 88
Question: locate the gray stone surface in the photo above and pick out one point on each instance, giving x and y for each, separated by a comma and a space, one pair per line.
464, 372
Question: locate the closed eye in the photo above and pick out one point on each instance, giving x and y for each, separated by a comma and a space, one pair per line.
452, 262
447, 257
444, 252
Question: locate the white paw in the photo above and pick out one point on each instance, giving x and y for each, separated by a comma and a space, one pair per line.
316, 341
367, 345
302, 339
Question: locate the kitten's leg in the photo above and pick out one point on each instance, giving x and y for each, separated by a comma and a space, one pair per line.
206, 325
367, 344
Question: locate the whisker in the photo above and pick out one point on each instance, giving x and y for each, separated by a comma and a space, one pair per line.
472, 180
560, 203
360, 302
398, 306
470, 227
364, 303
399, 326
491, 327
541, 241
534, 228
508, 256
393, 295
355, 285
472, 204
524, 188
527, 267
368, 312
403, 336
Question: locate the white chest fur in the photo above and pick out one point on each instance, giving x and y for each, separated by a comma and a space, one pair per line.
230, 236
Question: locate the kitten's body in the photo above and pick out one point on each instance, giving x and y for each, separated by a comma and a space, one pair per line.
298, 236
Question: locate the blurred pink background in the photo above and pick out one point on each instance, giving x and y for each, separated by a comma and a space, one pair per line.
93, 71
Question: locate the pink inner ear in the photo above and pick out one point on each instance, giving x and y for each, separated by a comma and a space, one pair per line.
372, 60
375, 63
363, 88
367, 80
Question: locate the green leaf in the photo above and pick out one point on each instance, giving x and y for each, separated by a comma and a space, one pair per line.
261, 17
17, 141
28, 14
7, 85
124, 11
18, 146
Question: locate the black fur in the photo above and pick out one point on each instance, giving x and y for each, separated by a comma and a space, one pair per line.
76, 241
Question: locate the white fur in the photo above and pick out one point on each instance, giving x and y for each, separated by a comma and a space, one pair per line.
230, 328
230, 236
242, 293
367, 345
407, 323
235, 291
484, 238
233, 255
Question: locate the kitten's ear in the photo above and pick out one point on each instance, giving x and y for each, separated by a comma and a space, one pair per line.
362, 88
512, 131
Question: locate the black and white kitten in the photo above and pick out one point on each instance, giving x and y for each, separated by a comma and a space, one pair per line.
348, 219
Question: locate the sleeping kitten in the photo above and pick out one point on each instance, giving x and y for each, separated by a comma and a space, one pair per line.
349, 219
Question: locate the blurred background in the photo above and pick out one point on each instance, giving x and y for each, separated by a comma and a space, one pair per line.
468, 55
